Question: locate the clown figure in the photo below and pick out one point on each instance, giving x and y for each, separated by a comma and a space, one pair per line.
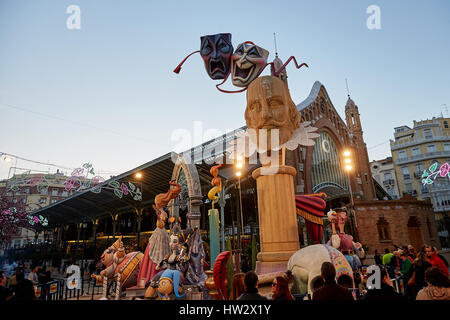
342, 241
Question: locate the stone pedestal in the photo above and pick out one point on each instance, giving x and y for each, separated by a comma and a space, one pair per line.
277, 219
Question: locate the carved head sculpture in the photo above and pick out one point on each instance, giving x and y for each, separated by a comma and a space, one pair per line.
247, 63
169, 283
107, 257
341, 218
270, 106
174, 242
216, 51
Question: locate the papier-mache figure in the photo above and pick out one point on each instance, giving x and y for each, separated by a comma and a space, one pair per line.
167, 287
342, 241
120, 267
158, 246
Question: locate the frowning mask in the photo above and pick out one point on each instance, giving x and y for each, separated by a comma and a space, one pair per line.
247, 63
216, 51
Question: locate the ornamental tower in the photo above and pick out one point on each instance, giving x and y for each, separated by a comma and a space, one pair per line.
362, 172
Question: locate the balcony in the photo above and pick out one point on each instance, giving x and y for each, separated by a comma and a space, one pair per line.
396, 146
424, 156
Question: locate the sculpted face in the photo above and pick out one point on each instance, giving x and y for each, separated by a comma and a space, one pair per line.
107, 257
247, 63
165, 286
216, 51
269, 106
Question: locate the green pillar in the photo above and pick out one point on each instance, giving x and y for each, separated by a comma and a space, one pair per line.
214, 236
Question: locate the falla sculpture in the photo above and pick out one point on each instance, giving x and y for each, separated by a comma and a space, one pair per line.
245, 64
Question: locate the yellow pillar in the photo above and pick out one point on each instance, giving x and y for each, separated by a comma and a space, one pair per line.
277, 219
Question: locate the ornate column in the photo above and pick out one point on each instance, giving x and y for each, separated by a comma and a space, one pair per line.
277, 219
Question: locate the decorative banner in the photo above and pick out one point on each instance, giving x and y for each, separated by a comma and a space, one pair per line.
12, 215
428, 177
79, 181
40, 180
53, 287
37, 291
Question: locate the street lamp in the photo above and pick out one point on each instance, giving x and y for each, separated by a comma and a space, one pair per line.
348, 167
239, 166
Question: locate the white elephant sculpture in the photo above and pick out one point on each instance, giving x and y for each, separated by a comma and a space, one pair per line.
306, 263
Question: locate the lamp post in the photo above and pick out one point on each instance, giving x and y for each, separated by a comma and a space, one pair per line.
348, 166
222, 203
239, 166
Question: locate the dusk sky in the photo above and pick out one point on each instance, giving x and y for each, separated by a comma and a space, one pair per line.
106, 93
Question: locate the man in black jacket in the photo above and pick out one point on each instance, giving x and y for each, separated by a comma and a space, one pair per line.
24, 289
5, 293
331, 290
251, 287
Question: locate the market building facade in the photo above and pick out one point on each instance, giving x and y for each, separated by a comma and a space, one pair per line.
94, 219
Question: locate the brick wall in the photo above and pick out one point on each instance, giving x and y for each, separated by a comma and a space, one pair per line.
397, 213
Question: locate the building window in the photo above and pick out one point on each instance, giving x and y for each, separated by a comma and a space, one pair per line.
419, 167
44, 190
406, 175
53, 200
43, 200
445, 124
431, 148
416, 151
24, 200
15, 200
428, 133
26, 190
383, 229
54, 192
65, 193
446, 146
402, 154
387, 176
326, 164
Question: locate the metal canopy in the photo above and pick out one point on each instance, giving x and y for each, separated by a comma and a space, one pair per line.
87, 205
156, 174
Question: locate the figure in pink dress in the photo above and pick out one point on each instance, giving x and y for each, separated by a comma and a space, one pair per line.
342, 241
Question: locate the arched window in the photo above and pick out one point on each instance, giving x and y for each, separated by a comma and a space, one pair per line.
384, 232
326, 164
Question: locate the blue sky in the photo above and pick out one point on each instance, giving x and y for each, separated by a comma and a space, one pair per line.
106, 93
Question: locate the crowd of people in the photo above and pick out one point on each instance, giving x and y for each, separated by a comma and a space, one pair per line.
421, 275
17, 282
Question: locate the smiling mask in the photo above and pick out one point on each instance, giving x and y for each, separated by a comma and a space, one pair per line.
247, 63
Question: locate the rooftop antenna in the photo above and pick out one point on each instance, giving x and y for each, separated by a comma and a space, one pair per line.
446, 109
346, 83
275, 41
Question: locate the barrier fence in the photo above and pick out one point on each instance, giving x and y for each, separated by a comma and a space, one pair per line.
58, 289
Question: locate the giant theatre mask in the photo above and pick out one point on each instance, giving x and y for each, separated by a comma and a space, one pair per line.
216, 51
270, 106
247, 63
